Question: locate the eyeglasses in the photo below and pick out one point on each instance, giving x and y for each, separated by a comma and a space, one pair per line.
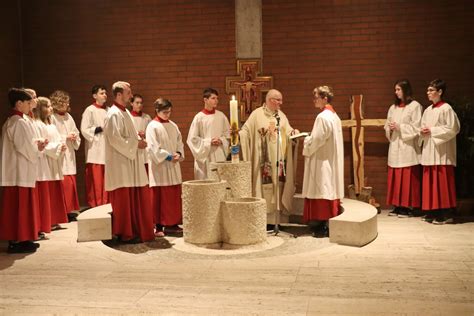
276, 99
431, 90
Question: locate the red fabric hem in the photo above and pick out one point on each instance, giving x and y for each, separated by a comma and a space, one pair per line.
70, 193
19, 214
439, 188
320, 209
95, 185
132, 216
404, 186
167, 205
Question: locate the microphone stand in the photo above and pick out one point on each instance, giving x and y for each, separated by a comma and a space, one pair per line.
276, 229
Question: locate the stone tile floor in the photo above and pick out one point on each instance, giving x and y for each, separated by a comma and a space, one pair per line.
412, 268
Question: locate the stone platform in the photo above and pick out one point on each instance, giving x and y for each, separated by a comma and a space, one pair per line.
95, 224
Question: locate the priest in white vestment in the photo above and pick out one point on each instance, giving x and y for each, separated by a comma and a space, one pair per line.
208, 135
92, 127
125, 176
323, 182
258, 138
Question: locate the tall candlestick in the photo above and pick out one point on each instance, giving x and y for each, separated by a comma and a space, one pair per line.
234, 126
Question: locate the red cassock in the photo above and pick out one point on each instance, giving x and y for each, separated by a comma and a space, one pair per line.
167, 205
320, 209
439, 188
95, 185
70, 193
404, 186
132, 215
23, 223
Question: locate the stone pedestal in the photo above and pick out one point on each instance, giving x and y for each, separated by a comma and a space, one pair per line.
238, 176
244, 221
201, 210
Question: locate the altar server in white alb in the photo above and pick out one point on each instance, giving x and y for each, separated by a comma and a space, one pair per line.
323, 182
140, 120
165, 152
70, 135
404, 171
51, 191
439, 127
92, 128
125, 176
208, 135
19, 210
43, 168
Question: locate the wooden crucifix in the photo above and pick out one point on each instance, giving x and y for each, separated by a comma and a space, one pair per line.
357, 124
248, 86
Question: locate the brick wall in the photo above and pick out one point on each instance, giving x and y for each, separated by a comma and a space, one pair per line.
363, 47
172, 49
176, 48
10, 63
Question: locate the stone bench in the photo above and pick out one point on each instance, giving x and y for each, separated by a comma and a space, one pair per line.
356, 226
95, 224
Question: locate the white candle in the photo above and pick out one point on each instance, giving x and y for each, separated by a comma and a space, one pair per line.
234, 113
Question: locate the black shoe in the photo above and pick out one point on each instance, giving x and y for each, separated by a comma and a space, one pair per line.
405, 213
42, 236
135, 240
430, 216
72, 217
321, 231
22, 247
394, 212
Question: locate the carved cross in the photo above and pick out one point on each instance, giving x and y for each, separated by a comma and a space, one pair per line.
357, 124
248, 86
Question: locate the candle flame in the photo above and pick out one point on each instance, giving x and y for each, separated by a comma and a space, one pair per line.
233, 97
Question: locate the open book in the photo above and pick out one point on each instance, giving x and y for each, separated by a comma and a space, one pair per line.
303, 134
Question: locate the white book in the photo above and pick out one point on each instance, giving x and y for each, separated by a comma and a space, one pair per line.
303, 134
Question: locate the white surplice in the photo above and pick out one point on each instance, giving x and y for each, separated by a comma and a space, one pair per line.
66, 125
203, 128
324, 159
124, 167
439, 148
164, 139
19, 160
404, 150
52, 153
140, 123
94, 146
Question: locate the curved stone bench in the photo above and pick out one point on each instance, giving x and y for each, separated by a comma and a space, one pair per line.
356, 226
244, 221
95, 224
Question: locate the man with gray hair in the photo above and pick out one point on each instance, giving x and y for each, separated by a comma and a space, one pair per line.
259, 143
126, 179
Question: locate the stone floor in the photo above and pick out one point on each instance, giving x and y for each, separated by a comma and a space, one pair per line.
412, 268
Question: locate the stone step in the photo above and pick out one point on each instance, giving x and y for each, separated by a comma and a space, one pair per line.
356, 226
95, 224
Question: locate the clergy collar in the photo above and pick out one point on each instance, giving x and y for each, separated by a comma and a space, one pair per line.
159, 119
208, 112
120, 106
61, 113
438, 104
16, 112
268, 111
99, 106
329, 107
30, 114
135, 113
